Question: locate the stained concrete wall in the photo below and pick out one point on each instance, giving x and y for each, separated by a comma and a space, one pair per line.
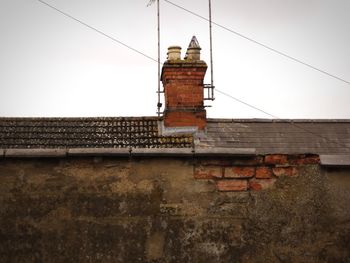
153, 210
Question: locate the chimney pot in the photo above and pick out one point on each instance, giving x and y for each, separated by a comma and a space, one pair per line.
193, 54
193, 50
174, 53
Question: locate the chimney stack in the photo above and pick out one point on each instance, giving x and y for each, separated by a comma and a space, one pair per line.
183, 87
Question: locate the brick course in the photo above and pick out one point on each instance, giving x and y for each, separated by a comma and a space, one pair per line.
285, 171
276, 159
232, 185
239, 172
180, 119
261, 184
263, 172
207, 172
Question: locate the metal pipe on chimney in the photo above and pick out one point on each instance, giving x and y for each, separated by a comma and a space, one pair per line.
159, 105
211, 50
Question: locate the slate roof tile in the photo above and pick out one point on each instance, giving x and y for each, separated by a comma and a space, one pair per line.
279, 136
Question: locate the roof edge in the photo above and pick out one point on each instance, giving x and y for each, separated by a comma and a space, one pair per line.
98, 152
176, 152
217, 151
335, 160
162, 152
34, 153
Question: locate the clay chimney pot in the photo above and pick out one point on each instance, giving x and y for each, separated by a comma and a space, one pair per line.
174, 53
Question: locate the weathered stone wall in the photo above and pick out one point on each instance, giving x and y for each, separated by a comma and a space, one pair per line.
170, 210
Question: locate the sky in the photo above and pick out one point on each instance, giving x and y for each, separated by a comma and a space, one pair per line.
52, 66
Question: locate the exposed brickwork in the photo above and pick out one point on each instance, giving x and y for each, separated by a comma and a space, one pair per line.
263, 172
252, 173
276, 159
239, 172
232, 185
207, 172
184, 93
183, 89
261, 184
304, 159
181, 119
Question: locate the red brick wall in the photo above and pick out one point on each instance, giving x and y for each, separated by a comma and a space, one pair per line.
255, 173
181, 119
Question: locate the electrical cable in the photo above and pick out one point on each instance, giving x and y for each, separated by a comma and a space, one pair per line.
245, 103
97, 30
261, 44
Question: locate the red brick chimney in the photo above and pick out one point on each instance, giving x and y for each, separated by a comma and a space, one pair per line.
183, 87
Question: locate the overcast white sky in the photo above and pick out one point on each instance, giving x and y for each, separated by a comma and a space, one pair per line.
53, 66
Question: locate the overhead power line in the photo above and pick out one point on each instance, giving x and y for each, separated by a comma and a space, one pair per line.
261, 44
98, 31
155, 60
202, 17
245, 103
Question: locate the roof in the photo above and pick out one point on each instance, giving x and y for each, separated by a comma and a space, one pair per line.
38, 133
279, 136
222, 136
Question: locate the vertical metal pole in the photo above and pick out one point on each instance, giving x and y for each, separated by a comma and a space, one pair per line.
158, 29
211, 51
